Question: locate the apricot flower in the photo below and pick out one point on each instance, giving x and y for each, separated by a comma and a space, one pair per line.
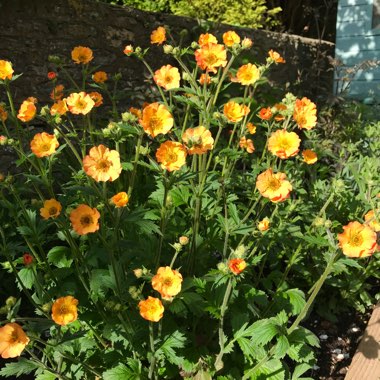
211, 56
13, 340
230, 38
27, 110
64, 310
247, 74
100, 77
171, 155
57, 93
44, 144
167, 282
84, 219
237, 266
3, 113
102, 164
263, 225
305, 113
79, 103
235, 112
275, 57
151, 309
52, 208
6, 70
207, 38
167, 77
309, 156
82, 55
59, 108
198, 140
357, 240
372, 219
120, 199
246, 144
284, 144
265, 113
273, 186
158, 36
156, 119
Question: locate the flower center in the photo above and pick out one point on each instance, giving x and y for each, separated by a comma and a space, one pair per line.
103, 165
154, 123
64, 309
168, 78
356, 240
168, 281
172, 157
274, 184
86, 220
81, 104
45, 147
14, 337
211, 59
52, 210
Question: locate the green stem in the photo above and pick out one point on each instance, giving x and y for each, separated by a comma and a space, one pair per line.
152, 366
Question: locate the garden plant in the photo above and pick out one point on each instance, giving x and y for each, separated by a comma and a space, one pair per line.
184, 237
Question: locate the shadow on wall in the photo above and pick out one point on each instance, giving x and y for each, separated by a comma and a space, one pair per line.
358, 48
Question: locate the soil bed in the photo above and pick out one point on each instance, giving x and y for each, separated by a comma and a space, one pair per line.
339, 342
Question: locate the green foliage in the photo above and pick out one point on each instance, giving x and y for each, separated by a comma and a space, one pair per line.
254, 14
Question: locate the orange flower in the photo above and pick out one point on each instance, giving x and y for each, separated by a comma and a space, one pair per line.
230, 38
309, 156
156, 119
278, 108
207, 38
81, 54
27, 110
102, 164
3, 113
237, 266
158, 36
59, 108
13, 340
171, 155
251, 128
151, 309
263, 225
84, 219
247, 74
372, 220
284, 144
246, 144
305, 113
120, 199
235, 112
64, 310
204, 78
100, 77
51, 209
57, 93
183, 240
211, 56
27, 259
273, 186
275, 57
80, 103
128, 50
198, 140
43, 144
6, 70
167, 282
97, 98
51, 75
357, 240
265, 113
167, 77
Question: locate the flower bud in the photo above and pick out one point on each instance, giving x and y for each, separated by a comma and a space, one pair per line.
183, 240
11, 301
3, 140
55, 59
194, 45
168, 49
51, 75
176, 51
319, 222
46, 307
222, 267
186, 76
239, 251
128, 117
27, 259
246, 43
328, 223
177, 246
138, 272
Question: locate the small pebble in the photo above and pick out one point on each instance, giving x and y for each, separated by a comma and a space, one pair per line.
340, 357
337, 351
346, 356
315, 368
339, 338
355, 329
323, 337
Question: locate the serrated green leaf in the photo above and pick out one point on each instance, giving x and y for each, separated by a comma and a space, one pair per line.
296, 298
261, 332
175, 340
300, 370
281, 347
45, 375
27, 277
122, 372
21, 367
58, 256
271, 370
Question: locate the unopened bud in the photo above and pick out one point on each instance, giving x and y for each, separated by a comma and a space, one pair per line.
246, 43
138, 272
3, 140
222, 267
55, 59
177, 246
168, 49
183, 240
194, 45
11, 301
240, 252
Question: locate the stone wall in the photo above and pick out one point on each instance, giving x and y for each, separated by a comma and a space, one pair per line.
32, 30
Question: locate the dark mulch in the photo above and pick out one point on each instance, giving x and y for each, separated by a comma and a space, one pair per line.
339, 342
